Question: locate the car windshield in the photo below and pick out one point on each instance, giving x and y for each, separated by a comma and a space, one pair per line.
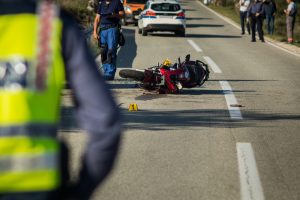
137, 1
170, 7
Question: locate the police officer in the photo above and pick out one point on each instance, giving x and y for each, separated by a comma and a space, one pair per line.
39, 46
256, 14
108, 17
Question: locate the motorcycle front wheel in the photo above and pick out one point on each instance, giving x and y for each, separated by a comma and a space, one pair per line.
132, 74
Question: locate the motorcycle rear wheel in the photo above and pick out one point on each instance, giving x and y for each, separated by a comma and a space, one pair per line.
132, 74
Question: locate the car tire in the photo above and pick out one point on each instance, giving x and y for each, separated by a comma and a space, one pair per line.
123, 21
144, 32
180, 33
139, 30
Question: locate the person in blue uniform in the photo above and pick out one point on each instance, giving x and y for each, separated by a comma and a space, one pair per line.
108, 17
256, 14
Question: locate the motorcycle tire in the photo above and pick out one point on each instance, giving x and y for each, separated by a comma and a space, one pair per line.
132, 74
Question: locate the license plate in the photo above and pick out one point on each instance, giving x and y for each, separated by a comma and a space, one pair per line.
165, 17
136, 17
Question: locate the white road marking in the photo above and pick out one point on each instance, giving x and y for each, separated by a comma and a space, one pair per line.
234, 112
238, 27
212, 64
283, 49
195, 46
251, 188
221, 16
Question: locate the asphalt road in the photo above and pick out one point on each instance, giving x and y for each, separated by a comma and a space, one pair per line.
198, 145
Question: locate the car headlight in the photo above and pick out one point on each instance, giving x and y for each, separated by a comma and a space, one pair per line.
127, 9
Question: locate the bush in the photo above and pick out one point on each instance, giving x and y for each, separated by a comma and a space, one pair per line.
78, 9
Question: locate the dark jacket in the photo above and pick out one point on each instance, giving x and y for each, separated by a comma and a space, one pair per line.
256, 7
104, 10
96, 110
269, 8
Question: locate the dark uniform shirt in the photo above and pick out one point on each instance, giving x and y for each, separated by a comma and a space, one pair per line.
256, 8
96, 109
104, 10
270, 8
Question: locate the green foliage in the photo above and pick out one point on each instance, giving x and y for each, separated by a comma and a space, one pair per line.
77, 8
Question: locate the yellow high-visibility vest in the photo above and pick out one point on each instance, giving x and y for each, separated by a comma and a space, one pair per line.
32, 75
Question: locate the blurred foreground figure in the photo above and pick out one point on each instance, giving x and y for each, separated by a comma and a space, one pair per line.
39, 46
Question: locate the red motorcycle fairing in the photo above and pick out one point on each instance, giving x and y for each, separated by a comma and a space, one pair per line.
171, 75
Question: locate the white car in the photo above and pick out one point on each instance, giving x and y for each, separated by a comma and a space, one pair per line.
162, 15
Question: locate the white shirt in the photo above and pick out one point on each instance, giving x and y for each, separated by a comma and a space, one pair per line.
291, 7
244, 7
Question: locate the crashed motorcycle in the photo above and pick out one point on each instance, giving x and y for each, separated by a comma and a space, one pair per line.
168, 78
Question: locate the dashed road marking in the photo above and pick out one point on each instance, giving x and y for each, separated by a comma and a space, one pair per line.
251, 188
234, 111
212, 64
195, 46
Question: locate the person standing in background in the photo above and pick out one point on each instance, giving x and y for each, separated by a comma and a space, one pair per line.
244, 4
290, 13
270, 11
256, 13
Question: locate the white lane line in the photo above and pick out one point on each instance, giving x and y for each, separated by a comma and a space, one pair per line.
195, 46
212, 64
234, 112
251, 188
283, 49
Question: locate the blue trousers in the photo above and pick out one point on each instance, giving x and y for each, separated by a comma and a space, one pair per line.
243, 17
109, 40
270, 24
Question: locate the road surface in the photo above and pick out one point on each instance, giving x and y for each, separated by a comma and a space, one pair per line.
237, 137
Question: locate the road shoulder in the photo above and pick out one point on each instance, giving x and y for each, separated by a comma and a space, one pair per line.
281, 45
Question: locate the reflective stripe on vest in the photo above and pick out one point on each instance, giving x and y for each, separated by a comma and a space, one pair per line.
28, 164
31, 78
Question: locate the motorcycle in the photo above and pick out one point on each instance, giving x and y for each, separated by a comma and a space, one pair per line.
169, 78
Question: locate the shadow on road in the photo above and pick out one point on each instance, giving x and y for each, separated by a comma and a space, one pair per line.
211, 36
168, 120
123, 86
128, 52
191, 10
204, 25
215, 118
197, 18
162, 34
238, 80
